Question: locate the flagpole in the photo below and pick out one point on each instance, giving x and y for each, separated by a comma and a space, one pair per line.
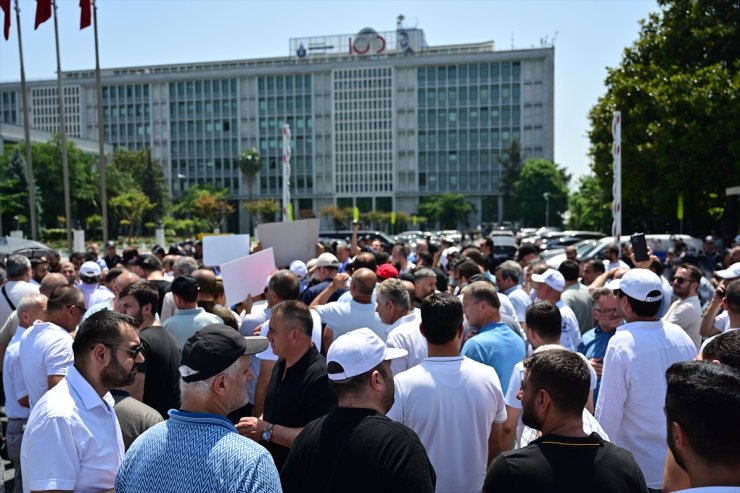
101, 129
286, 172
26, 130
63, 134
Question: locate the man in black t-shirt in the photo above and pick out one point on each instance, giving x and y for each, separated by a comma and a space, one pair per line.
157, 381
356, 447
554, 391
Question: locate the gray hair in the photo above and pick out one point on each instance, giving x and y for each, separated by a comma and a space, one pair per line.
395, 291
17, 266
202, 388
599, 293
186, 265
28, 302
423, 272
510, 270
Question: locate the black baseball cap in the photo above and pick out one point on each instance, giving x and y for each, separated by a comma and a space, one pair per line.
214, 348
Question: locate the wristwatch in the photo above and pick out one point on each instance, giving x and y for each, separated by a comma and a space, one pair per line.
267, 434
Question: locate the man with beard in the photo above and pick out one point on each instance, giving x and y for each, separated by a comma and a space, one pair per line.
686, 310
554, 391
356, 447
701, 405
73, 440
157, 379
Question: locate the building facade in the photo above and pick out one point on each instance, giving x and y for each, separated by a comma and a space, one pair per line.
379, 121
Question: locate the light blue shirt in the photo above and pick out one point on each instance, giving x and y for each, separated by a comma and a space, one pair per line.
497, 346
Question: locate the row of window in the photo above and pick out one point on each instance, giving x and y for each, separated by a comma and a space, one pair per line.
7, 99
453, 159
208, 89
456, 96
198, 128
284, 83
350, 74
127, 130
204, 148
355, 106
472, 72
364, 94
361, 150
297, 124
201, 109
284, 104
125, 92
471, 181
364, 187
126, 110
464, 117
472, 138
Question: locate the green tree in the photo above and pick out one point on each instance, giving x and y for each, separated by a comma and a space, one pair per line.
590, 207
14, 188
250, 163
511, 167
132, 205
135, 169
538, 177
677, 88
265, 209
451, 210
207, 205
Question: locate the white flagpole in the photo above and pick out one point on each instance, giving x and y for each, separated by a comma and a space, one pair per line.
286, 171
617, 187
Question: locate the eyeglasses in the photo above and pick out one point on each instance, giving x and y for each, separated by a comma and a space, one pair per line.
681, 280
82, 309
133, 351
606, 311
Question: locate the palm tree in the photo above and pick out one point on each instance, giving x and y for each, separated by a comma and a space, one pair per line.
250, 163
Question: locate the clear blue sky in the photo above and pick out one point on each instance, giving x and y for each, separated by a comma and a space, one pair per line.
591, 35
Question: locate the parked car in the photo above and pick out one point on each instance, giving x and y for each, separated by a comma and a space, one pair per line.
504, 245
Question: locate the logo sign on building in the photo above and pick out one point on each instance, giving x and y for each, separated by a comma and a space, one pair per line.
367, 42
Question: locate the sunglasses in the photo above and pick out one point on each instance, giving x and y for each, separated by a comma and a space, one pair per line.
133, 351
681, 280
82, 309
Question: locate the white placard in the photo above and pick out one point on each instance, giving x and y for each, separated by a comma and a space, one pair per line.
291, 241
218, 250
247, 275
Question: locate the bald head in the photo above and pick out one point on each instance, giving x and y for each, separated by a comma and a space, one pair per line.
206, 280
123, 281
363, 283
50, 282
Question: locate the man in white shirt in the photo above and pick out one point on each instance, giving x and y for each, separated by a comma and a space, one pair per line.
632, 393
445, 390
394, 309
18, 285
549, 286
612, 260
508, 275
46, 349
31, 308
701, 406
73, 440
686, 310
340, 317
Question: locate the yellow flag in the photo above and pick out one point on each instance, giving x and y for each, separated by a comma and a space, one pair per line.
356, 213
679, 211
393, 217
290, 212
413, 220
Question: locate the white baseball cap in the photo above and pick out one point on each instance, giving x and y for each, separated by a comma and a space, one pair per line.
552, 278
90, 269
642, 285
298, 268
731, 272
359, 351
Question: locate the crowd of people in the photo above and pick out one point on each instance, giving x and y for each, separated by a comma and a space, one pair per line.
423, 368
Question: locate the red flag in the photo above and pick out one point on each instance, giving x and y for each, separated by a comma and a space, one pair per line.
43, 12
5, 6
85, 11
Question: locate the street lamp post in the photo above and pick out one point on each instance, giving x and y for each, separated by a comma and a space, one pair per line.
547, 208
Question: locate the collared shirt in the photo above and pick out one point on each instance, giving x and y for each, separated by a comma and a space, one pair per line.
497, 346
45, 350
187, 322
201, 453
343, 317
686, 314
633, 387
297, 399
414, 316
520, 300
407, 336
13, 384
570, 336
72, 440
15, 290
593, 345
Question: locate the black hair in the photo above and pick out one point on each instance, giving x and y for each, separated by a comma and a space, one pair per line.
186, 287
103, 327
704, 399
63, 296
645, 309
732, 296
564, 375
544, 318
353, 385
285, 285
145, 293
441, 316
297, 312
569, 269
724, 348
149, 263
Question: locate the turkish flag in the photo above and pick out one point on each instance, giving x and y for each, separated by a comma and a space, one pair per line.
85, 11
5, 6
43, 12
